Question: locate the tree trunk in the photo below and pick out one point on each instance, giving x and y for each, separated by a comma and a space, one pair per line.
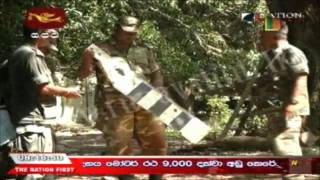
244, 142
236, 143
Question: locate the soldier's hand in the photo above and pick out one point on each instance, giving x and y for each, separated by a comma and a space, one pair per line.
137, 108
88, 53
290, 111
163, 90
73, 95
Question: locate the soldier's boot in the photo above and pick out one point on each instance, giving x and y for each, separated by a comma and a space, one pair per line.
293, 177
126, 177
155, 177
30, 177
308, 138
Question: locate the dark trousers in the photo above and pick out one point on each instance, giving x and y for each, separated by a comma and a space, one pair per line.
5, 162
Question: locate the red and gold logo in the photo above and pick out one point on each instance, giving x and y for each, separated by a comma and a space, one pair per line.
46, 18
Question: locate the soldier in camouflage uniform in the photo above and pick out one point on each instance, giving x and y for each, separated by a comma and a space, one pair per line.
286, 72
285, 78
118, 118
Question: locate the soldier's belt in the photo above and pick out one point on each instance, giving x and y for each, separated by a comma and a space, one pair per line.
143, 94
32, 128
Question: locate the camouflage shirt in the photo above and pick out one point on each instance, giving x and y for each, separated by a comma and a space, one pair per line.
140, 59
283, 65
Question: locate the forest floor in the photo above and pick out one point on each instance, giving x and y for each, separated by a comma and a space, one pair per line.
92, 144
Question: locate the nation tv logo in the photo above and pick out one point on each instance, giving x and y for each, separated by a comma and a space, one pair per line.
252, 17
270, 23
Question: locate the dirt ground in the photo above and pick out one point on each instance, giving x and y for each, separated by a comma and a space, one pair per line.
81, 140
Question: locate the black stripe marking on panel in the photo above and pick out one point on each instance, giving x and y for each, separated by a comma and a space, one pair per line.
139, 92
160, 106
180, 121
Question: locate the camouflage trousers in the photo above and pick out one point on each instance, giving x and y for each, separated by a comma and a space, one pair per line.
285, 135
138, 124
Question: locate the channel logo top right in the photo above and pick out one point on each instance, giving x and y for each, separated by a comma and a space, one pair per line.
272, 21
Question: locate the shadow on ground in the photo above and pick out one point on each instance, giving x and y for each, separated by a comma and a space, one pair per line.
79, 140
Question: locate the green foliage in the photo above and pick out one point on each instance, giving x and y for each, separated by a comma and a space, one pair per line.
258, 126
188, 36
220, 113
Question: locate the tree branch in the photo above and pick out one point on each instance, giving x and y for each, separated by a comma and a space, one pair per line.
210, 50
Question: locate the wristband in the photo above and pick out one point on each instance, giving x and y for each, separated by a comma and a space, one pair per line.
294, 101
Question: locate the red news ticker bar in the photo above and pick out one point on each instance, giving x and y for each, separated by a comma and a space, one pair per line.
107, 165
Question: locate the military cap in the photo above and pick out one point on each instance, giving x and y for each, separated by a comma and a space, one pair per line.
129, 24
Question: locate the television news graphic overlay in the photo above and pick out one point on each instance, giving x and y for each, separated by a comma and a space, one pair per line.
248, 17
272, 24
46, 18
61, 164
143, 94
272, 21
44, 35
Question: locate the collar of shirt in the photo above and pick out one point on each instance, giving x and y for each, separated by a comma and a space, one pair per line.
281, 47
271, 54
119, 51
37, 51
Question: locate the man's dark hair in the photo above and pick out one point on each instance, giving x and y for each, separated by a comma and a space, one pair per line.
27, 31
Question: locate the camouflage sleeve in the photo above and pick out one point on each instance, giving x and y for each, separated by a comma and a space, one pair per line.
296, 61
153, 65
